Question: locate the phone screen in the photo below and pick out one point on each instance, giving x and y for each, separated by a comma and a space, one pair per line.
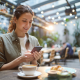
37, 48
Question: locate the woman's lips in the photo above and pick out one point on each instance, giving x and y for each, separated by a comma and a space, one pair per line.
25, 28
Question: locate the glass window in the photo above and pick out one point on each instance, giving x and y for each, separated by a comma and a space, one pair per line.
13, 1
33, 2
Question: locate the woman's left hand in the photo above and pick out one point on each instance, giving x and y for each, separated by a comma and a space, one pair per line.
37, 55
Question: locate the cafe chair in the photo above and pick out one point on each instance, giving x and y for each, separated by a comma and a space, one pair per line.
74, 49
58, 58
51, 58
41, 59
66, 54
79, 55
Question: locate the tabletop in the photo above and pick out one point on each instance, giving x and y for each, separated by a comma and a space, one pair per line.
12, 74
47, 50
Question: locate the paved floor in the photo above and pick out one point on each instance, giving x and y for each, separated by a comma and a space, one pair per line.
70, 62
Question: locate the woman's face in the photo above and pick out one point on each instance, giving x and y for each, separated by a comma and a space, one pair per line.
24, 22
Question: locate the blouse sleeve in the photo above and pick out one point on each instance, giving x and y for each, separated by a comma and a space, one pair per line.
2, 55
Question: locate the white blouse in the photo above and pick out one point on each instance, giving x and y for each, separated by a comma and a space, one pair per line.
23, 48
23, 43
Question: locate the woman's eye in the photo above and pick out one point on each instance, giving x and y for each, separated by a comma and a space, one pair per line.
30, 22
24, 21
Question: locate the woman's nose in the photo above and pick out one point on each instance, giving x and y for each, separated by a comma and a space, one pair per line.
27, 24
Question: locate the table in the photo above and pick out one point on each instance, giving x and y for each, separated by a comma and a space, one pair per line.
47, 50
12, 74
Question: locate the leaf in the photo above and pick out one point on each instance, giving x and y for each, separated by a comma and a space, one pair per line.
67, 20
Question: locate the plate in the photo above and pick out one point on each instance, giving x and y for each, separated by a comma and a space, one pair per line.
71, 70
37, 73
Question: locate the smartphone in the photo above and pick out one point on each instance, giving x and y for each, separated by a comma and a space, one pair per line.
37, 48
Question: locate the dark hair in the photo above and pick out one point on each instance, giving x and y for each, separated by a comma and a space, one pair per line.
21, 9
64, 42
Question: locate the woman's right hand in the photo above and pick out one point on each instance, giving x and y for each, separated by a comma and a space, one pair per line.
27, 57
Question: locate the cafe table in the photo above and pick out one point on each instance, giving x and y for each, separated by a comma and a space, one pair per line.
12, 75
47, 50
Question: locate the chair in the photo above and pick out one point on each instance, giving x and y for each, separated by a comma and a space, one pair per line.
41, 59
63, 58
74, 49
66, 54
79, 55
51, 58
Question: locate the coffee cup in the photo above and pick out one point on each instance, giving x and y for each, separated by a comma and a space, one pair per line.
28, 70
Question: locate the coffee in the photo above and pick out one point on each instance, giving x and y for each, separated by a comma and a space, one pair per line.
28, 69
28, 65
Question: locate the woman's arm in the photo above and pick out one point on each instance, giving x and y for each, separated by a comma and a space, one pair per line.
12, 64
17, 61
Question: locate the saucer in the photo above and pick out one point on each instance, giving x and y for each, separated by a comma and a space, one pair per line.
37, 73
52, 73
71, 70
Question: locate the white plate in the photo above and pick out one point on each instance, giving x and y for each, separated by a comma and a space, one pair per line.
71, 70
37, 73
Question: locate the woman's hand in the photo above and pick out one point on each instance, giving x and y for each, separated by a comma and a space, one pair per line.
37, 55
27, 57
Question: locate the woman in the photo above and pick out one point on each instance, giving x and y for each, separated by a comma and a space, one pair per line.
14, 44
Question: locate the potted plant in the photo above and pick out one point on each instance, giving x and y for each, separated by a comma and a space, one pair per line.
66, 31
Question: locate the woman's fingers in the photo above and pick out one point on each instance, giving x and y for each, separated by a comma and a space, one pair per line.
28, 54
28, 60
27, 57
37, 55
30, 57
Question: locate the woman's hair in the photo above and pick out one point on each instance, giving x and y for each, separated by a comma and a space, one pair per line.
18, 12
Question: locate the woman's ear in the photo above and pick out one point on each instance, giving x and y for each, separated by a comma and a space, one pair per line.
15, 19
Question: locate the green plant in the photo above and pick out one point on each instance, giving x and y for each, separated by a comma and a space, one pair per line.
46, 39
66, 31
51, 38
55, 36
2, 31
36, 34
76, 34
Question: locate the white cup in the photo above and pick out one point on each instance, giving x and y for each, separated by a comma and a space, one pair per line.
28, 69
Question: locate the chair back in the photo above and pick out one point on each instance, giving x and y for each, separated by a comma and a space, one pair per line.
74, 49
66, 53
41, 59
52, 54
79, 55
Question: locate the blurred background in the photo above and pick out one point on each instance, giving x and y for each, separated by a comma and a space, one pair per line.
55, 21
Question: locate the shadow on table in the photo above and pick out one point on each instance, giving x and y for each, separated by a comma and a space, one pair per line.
59, 77
20, 78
